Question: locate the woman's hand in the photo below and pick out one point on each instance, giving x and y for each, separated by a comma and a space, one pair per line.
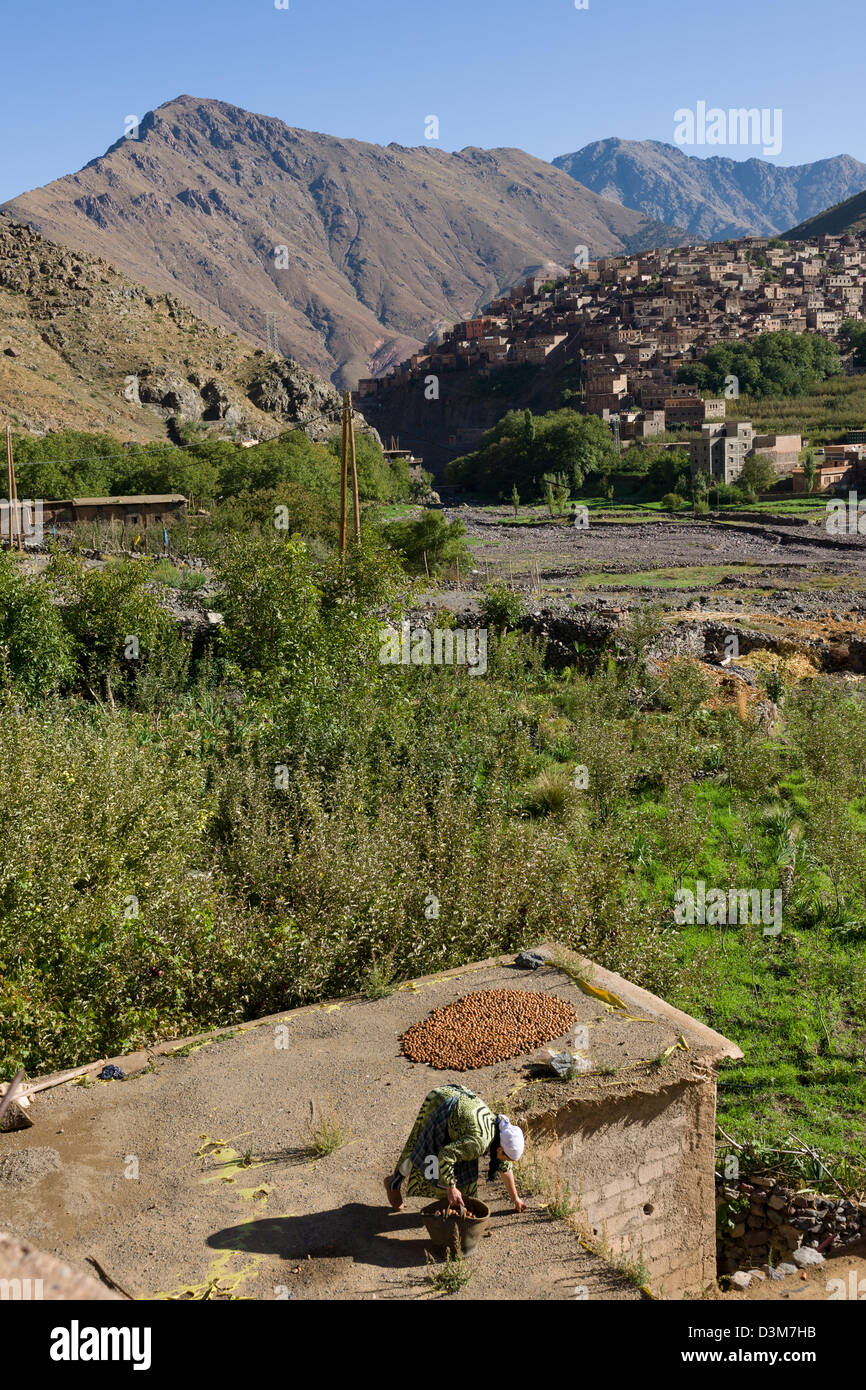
455, 1196
511, 1189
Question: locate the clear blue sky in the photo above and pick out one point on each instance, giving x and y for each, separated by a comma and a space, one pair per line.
538, 74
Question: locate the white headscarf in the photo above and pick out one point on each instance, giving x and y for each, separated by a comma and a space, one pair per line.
511, 1138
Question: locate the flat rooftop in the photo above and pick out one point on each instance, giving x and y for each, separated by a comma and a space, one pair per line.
191, 1178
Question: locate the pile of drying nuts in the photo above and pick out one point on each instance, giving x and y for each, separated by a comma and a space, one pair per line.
488, 1026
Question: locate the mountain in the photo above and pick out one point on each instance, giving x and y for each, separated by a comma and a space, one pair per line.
378, 242
712, 198
83, 348
848, 216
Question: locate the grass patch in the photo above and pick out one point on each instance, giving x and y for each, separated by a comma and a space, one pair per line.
676, 577
452, 1276
325, 1132
377, 982
560, 1205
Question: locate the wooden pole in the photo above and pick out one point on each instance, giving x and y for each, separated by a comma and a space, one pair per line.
9, 479
356, 498
15, 495
344, 462
10, 484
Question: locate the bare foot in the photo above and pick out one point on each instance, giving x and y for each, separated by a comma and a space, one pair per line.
393, 1194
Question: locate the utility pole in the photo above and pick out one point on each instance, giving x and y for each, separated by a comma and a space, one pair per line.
356, 498
14, 523
344, 465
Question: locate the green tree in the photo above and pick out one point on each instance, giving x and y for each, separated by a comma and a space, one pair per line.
663, 468
35, 647
809, 469
432, 536
773, 364
758, 474
563, 442
854, 331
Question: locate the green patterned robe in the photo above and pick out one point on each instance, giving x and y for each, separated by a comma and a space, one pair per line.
471, 1127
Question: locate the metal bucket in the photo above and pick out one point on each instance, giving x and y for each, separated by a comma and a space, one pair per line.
456, 1233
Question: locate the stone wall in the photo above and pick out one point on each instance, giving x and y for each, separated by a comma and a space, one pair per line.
763, 1219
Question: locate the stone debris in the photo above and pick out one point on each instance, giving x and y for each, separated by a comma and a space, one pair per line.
805, 1256
530, 960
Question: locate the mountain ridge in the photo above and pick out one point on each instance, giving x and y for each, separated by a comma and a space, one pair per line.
713, 198
380, 241
847, 216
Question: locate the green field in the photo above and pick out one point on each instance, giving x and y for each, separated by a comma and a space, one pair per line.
822, 417
682, 577
202, 832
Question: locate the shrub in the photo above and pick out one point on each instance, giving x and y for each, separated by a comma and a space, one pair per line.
35, 646
431, 538
501, 607
551, 794
685, 687
116, 625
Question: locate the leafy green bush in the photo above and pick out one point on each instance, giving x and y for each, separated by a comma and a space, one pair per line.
685, 687
431, 537
35, 647
115, 623
501, 607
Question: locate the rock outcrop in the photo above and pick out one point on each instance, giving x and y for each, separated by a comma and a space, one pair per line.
81, 348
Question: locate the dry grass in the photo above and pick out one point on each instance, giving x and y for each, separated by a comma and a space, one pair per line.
325, 1132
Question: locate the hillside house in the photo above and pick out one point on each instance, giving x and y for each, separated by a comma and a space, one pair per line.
783, 451
150, 509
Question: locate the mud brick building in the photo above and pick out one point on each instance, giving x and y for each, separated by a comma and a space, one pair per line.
153, 509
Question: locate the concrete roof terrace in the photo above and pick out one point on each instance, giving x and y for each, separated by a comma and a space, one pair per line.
192, 1179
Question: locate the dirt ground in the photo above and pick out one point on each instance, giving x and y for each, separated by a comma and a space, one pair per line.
564, 552
841, 1278
191, 1179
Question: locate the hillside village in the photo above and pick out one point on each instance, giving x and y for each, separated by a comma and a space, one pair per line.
631, 323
